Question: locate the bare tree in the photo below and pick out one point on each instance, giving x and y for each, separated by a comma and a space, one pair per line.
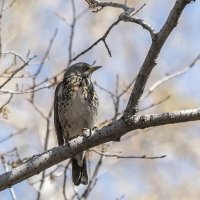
112, 130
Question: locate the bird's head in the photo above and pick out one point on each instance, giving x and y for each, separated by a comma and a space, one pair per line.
81, 69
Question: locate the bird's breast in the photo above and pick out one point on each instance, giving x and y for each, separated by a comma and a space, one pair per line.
78, 112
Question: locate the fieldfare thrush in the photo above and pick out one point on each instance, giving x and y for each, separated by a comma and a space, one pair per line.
76, 108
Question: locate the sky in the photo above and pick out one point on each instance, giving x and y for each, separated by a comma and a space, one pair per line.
29, 25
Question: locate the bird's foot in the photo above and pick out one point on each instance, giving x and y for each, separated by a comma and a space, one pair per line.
95, 129
87, 132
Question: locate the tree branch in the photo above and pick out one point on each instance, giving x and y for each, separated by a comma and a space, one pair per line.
145, 25
150, 60
170, 76
96, 3
103, 38
118, 128
108, 133
16, 71
112, 155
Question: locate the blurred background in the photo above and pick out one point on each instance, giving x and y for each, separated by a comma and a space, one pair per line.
43, 28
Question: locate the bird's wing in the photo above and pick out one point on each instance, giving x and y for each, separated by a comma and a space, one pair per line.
58, 127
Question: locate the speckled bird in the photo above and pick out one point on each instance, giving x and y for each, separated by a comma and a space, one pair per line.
75, 108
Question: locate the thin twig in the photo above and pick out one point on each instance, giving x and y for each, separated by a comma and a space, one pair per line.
13, 134
126, 157
104, 89
170, 76
82, 13
65, 180
93, 179
43, 61
155, 104
10, 5
20, 57
6, 103
1, 15
99, 40
25, 91
16, 71
138, 10
125, 90
72, 32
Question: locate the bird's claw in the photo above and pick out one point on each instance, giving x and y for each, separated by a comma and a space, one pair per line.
95, 129
87, 132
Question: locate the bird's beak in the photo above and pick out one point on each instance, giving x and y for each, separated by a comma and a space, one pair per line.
92, 69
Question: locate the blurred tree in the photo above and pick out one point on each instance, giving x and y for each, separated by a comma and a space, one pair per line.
39, 39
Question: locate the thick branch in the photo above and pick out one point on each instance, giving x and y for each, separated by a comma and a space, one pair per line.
108, 133
150, 60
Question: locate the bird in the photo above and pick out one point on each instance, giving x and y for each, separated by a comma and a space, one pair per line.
75, 109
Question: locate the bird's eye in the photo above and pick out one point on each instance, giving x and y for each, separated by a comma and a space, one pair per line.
84, 68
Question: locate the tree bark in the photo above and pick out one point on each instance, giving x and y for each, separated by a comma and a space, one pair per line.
111, 132
115, 130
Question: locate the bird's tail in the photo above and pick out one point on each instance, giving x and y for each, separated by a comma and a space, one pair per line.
79, 169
